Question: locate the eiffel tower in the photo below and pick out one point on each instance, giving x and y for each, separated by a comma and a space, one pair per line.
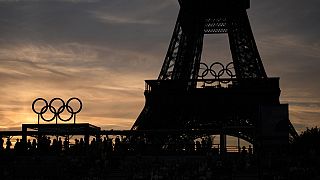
244, 104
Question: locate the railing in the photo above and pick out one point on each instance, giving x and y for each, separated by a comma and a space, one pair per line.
265, 83
216, 83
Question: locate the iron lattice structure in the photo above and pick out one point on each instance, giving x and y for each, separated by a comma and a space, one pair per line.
180, 99
197, 18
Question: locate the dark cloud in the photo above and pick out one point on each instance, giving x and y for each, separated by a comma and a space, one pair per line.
288, 17
122, 23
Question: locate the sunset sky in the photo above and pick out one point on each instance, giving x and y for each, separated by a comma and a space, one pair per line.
102, 51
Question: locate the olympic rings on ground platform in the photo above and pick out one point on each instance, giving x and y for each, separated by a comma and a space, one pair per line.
57, 111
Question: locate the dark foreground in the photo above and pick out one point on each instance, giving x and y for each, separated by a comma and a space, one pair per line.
167, 166
120, 159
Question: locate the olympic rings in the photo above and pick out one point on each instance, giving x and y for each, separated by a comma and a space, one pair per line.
56, 111
216, 70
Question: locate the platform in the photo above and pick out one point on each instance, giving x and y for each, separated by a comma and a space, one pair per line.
84, 129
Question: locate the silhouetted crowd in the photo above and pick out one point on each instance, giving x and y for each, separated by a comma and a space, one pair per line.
140, 157
132, 158
45, 144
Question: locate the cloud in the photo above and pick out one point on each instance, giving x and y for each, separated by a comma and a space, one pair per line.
74, 57
41, 70
122, 20
295, 61
288, 17
139, 12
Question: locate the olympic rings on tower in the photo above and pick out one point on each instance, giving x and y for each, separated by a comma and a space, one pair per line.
216, 70
56, 110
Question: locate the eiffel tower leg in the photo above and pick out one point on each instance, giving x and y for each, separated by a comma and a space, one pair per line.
184, 53
189, 53
171, 56
244, 50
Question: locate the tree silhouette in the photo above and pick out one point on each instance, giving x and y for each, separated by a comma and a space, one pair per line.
308, 141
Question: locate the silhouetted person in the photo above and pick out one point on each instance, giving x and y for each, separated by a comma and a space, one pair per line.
29, 145
8, 144
1, 144
250, 150
42, 144
99, 140
244, 150
76, 146
93, 142
54, 146
34, 145
39, 144
48, 143
203, 144
18, 146
117, 144
59, 145
81, 143
105, 143
66, 144
109, 146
